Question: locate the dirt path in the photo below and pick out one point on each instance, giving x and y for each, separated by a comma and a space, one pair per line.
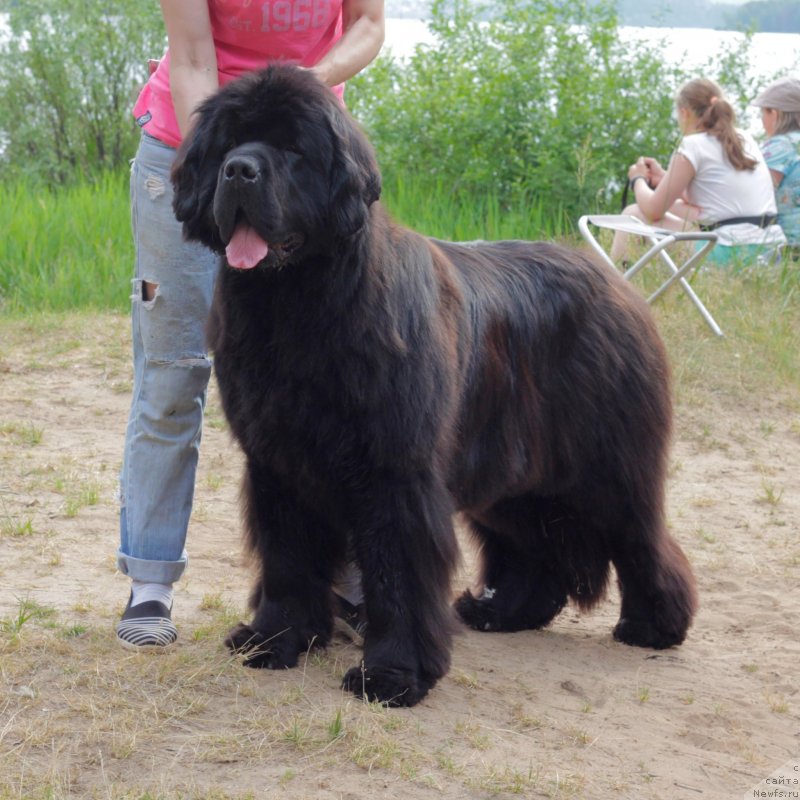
564, 712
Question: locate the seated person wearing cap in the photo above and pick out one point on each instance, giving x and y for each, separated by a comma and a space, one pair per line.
780, 116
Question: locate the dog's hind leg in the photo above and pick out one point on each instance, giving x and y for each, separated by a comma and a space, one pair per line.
659, 598
534, 553
407, 550
292, 599
517, 589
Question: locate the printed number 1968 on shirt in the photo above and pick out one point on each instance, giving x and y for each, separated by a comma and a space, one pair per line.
280, 16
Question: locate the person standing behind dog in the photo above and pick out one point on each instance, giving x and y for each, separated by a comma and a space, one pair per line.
780, 116
210, 42
717, 177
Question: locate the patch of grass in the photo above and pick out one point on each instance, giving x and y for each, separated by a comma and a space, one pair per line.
215, 422
705, 536
522, 721
23, 433
336, 727
766, 428
372, 753
212, 602
27, 611
758, 312
465, 680
287, 777
439, 212
78, 629
778, 704
580, 736
510, 780
82, 253
214, 481
473, 734
16, 527
769, 494
298, 733
81, 496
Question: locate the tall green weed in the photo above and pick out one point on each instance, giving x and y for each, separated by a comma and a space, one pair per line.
67, 247
71, 247
458, 216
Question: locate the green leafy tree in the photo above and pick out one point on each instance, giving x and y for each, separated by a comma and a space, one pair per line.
540, 99
69, 72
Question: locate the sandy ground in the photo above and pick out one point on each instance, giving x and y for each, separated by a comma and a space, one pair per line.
564, 712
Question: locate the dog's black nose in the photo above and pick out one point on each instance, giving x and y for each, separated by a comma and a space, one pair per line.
241, 168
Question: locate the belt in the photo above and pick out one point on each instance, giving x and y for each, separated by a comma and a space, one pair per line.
762, 222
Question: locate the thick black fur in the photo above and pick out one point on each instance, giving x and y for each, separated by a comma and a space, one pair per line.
379, 381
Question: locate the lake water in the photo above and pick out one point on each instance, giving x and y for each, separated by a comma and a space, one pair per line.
690, 46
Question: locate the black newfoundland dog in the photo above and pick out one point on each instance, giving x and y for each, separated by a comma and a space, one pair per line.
379, 381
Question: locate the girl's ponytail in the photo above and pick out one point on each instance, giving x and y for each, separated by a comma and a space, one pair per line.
716, 116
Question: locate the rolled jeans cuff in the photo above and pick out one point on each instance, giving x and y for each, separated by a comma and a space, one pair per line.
141, 569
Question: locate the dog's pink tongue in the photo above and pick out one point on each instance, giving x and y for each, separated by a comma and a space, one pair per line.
246, 248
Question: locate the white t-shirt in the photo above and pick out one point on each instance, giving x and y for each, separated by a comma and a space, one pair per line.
722, 192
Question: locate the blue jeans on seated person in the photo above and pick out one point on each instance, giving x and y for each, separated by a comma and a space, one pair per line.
171, 369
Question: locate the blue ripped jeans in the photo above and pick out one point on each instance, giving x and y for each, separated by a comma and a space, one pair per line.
171, 372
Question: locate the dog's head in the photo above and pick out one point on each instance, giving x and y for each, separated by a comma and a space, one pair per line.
274, 170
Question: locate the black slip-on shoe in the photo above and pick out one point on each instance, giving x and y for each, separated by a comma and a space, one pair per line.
146, 627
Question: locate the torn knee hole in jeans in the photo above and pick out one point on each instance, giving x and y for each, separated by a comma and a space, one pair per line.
145, 291
149, 291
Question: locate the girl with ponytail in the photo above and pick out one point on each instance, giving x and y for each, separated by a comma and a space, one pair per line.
716, 178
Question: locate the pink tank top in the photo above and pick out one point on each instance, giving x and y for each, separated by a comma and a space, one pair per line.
248, 35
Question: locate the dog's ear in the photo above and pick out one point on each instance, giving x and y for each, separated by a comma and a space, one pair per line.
194, 176
355, 177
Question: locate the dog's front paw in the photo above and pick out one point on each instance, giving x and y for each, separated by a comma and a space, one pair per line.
388, 685
260, 651
478, 613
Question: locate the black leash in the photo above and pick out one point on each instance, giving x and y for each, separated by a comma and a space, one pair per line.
628, 185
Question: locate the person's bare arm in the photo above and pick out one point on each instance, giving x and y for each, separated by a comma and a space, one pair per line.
364, 30
193, 59
672, 186
776, 176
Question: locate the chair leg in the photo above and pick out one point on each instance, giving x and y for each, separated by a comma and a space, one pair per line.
659, 244
678, 274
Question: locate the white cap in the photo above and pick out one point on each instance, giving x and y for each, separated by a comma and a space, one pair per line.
783, 95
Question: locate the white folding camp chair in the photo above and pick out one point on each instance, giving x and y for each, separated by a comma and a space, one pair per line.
660, 239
